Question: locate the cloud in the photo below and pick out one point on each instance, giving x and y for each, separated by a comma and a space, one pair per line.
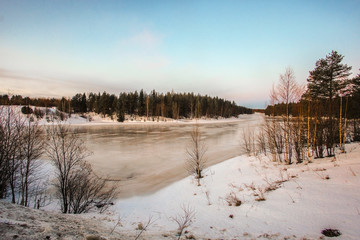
141, 51
38, 86
144, 40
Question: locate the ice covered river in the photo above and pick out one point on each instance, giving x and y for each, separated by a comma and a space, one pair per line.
147, 157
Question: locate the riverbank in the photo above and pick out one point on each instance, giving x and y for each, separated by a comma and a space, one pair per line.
52, 116
274, 202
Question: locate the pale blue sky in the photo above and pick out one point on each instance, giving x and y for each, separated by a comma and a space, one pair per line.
232, 49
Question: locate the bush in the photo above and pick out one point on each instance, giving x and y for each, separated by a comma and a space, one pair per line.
26, 110
39, 113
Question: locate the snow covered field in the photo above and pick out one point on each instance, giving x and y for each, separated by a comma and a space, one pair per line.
299, 202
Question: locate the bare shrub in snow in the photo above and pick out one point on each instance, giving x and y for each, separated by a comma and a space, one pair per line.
248, 144
142, 227
89, 191
78, 188
184, 220
233, 200
271, 186
196, 161
258, 191
261, 141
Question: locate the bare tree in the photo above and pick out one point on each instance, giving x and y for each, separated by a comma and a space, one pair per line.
88, 191
184, 220
32, 148
76, 185
20, 147
66, 151
196, 161
287, 91
11, 125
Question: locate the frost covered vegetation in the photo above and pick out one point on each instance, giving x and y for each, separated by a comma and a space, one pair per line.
152, 105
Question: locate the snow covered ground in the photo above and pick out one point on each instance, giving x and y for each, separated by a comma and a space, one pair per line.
299, 201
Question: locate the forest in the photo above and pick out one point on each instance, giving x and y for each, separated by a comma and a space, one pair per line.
169, 105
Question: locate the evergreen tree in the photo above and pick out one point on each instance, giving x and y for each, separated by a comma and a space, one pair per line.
120, 107
141, 103
329, 77
83, 107
327, 81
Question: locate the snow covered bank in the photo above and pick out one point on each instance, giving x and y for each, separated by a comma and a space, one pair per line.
299, 200
52, 115
277, 202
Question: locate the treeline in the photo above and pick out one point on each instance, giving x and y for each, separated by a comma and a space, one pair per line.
169, 105
312, 121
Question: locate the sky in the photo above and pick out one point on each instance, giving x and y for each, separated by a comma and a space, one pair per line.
231, 49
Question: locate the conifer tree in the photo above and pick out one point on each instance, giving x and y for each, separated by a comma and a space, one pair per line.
326, 81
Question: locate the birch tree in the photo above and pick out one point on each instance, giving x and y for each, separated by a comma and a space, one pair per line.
287, 90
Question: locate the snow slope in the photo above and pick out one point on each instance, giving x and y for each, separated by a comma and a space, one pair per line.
304, 204
300, 201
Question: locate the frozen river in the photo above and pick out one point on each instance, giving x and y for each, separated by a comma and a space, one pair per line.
147, 157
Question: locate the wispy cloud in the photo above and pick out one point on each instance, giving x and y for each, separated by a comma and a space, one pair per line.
144, 40
39, 86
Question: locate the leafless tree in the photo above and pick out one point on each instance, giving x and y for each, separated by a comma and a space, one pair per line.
78, 188
66, 151
11, 126
88, 191
184, 220
20, 147
32, 149
287, 90
196, 161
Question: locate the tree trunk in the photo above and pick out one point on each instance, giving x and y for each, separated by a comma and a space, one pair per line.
344, 137
308, 132
341, 148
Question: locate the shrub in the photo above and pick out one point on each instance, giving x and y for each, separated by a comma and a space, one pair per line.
26, 110
39, 113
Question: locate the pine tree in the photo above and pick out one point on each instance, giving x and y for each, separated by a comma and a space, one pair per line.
326, 82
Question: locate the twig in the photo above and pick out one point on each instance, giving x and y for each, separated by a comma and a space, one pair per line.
143, 228
352, 171
117, 223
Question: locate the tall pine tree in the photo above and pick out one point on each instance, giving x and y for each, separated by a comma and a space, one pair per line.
326, 82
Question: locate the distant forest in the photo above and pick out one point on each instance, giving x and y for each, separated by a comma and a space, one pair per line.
169, 105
